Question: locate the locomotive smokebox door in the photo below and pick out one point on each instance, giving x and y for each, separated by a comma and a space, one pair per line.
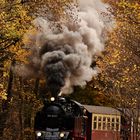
54, 116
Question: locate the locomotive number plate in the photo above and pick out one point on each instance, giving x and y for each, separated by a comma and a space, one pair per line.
49, 135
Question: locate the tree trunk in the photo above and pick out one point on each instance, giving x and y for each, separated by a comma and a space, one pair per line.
3, 118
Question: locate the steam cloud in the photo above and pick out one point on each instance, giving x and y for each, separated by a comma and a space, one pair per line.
66, 57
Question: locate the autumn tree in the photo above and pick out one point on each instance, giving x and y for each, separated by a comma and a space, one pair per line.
14, 21
120, 77
89, 95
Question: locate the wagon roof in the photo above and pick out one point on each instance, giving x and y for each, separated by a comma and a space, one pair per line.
101, 110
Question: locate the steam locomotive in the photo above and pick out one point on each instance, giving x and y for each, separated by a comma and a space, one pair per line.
61, 119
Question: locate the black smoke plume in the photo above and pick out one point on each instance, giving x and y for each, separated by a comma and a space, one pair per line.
66, 56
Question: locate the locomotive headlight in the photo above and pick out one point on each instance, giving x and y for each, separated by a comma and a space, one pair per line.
61, 135
39, 134
52, 99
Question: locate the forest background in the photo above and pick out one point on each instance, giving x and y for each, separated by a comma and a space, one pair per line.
118, 84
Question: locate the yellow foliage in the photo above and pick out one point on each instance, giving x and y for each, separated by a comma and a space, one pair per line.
14, 22
58, 10
3, 94
120, 65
